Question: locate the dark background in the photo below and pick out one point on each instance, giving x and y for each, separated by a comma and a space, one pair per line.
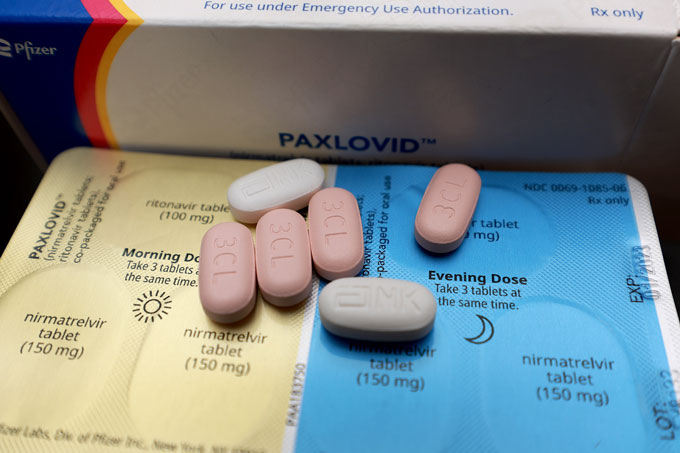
21, 176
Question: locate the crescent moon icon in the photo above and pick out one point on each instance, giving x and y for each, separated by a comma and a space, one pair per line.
486, 334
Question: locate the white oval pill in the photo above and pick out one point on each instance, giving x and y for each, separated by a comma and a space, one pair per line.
283, 259
377, 309
447, 207
288, 184
335, 233
226, 277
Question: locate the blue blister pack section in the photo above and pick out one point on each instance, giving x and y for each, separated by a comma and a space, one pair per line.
555, 328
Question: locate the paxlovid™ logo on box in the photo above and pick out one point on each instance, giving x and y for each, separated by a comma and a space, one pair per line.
25, 48
354, 143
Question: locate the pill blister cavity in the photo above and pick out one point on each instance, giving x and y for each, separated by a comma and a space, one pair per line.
565, 360
70, 335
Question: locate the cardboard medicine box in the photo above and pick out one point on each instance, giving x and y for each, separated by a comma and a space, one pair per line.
502, 83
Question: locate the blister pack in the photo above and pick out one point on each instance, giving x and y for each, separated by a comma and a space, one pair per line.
555, 327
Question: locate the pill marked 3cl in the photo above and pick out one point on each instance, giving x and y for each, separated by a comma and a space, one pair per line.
447, 207
335, 233
226, 277
284, 263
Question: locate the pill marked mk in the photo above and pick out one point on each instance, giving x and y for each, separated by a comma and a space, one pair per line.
377, 309
288, 184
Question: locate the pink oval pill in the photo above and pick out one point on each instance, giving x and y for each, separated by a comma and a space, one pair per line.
226, 276
335, 233
447, 207
284, 263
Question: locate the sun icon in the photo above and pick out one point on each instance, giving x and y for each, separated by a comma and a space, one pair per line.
151, 306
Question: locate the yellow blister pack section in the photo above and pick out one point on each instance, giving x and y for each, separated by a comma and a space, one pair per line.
103, 341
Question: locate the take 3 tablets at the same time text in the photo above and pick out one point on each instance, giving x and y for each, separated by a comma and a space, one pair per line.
281, 260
